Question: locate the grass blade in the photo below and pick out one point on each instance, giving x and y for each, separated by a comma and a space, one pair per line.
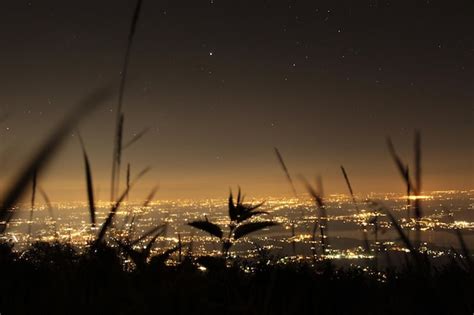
348, 183
400, 165
127, 179
400, 232
123, 78
110, 217
317, 196
135, 138
285, 169
150, 196
364, 231
113, 210
117, 157
50, 209
160, 259
89, 183
465, 250
160, 229
418, 161
293, 242
33, 197
417, 202
208, 227
245, 229
180, 246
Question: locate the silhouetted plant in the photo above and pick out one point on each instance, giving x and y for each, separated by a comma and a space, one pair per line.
117, 152
89, 182
33, 199
468, 262
413, 186
317, 195
364, 230
45, 154
51, 254
141, 257
285, 170
50, 210
239, 213
113, 211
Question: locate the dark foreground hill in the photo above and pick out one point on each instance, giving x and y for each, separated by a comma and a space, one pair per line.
56, 279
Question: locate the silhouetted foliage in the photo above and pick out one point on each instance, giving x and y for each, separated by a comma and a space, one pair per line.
238, 214
54, 278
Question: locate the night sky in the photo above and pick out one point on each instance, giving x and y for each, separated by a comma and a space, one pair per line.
220, 83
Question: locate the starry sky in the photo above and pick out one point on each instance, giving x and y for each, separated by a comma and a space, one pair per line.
219, 83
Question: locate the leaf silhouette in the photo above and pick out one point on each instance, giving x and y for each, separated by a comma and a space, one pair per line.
149, 246
116, 205
137, 137
89, 182
159, 230
160, 259
232, 208
150, 196
317, 196
402, 234
248, 228
465, 249
401, 168
110, 217
208, 227
119, 119
285, 169
240, 212
137, 257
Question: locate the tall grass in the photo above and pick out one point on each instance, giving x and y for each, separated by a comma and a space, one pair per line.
150, 196
413, 186
239, 214
270, 289
120, 117
364, 230
33, 198
127, 180
46, 152
408, 206
293, 239
50, 210
417, 191
131, 218
469, 263
285, 170
317, 195
135, 138
89, 183
118, 154
113, 211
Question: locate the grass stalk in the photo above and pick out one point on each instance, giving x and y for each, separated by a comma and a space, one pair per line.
50, 210
89, 183
32, 206
287, 173
364, 230
123, 80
